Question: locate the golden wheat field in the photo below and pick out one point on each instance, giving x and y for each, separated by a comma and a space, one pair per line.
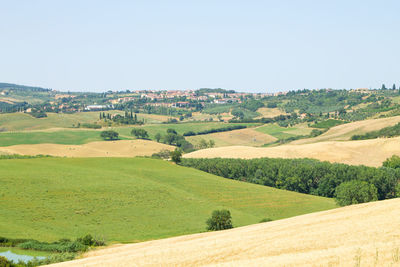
245, 137
121, 148
358, 235
346, 131
365, 152
270, 112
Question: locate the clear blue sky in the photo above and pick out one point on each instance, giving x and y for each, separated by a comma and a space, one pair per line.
245, 45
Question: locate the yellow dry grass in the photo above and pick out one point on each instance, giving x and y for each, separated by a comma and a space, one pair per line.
122, 148
346, 131
365, 152
270, 112
358, 235
244, 137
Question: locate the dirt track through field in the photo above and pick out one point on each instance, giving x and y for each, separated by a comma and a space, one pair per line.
358, 235
122, 148
365, 152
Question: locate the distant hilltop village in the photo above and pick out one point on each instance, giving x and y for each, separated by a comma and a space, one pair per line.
48, 100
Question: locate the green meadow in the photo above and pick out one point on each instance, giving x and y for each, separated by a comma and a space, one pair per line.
180, 128
130, 199
65, 137
282, 132
25, 122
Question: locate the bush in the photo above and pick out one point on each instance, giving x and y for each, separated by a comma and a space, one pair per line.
60, 246
109, 135
90, 126
392, 162
4, 262
354, 192
176, 155
140, 133
220, 220
163, 154
266, 220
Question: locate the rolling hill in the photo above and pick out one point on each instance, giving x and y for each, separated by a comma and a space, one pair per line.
120, 148
345, 131
357, 235
130, 199
365, 152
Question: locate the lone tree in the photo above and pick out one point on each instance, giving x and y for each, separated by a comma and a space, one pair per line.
157, 137
354, 192
140, 133
220, 220
109, 135
176, 155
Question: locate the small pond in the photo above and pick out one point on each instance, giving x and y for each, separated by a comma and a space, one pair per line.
11, 256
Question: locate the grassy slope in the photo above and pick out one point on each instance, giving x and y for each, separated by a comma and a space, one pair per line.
66, 137
282, 132
83, 136
356, 235
180, 128
23, 122
345, 131
129, 199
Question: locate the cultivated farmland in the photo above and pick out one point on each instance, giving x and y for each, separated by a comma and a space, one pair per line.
130, 199
357, 235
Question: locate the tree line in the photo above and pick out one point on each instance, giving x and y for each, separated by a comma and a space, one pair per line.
390, 131
215, 130
303, 175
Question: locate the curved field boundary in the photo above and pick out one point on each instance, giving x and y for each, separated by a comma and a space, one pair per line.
365, 152
121, 148
358, 235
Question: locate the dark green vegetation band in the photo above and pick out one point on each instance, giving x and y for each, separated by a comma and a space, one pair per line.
301, 175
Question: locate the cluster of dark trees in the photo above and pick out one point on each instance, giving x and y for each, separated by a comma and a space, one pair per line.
109, 135
252, 104
263, 120
390, 131
215, 130
140, 133
301, 175
173, 138
128, 118
12, 107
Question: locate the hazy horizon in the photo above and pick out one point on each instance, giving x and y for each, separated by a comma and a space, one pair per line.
251, 46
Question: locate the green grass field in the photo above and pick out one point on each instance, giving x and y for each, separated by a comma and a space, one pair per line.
83, 136
65, 137
129, 199
25, 122
328, 123
282, 132
180, 128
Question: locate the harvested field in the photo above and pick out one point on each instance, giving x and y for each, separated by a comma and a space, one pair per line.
121, 148
357, 235
365, 152
345, 131
270, 112
244, 137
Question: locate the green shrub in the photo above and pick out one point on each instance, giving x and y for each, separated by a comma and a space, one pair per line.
4, 262
220, 220
176, 155
109, 135
266, 220
392, 162
163, 154
354, 192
